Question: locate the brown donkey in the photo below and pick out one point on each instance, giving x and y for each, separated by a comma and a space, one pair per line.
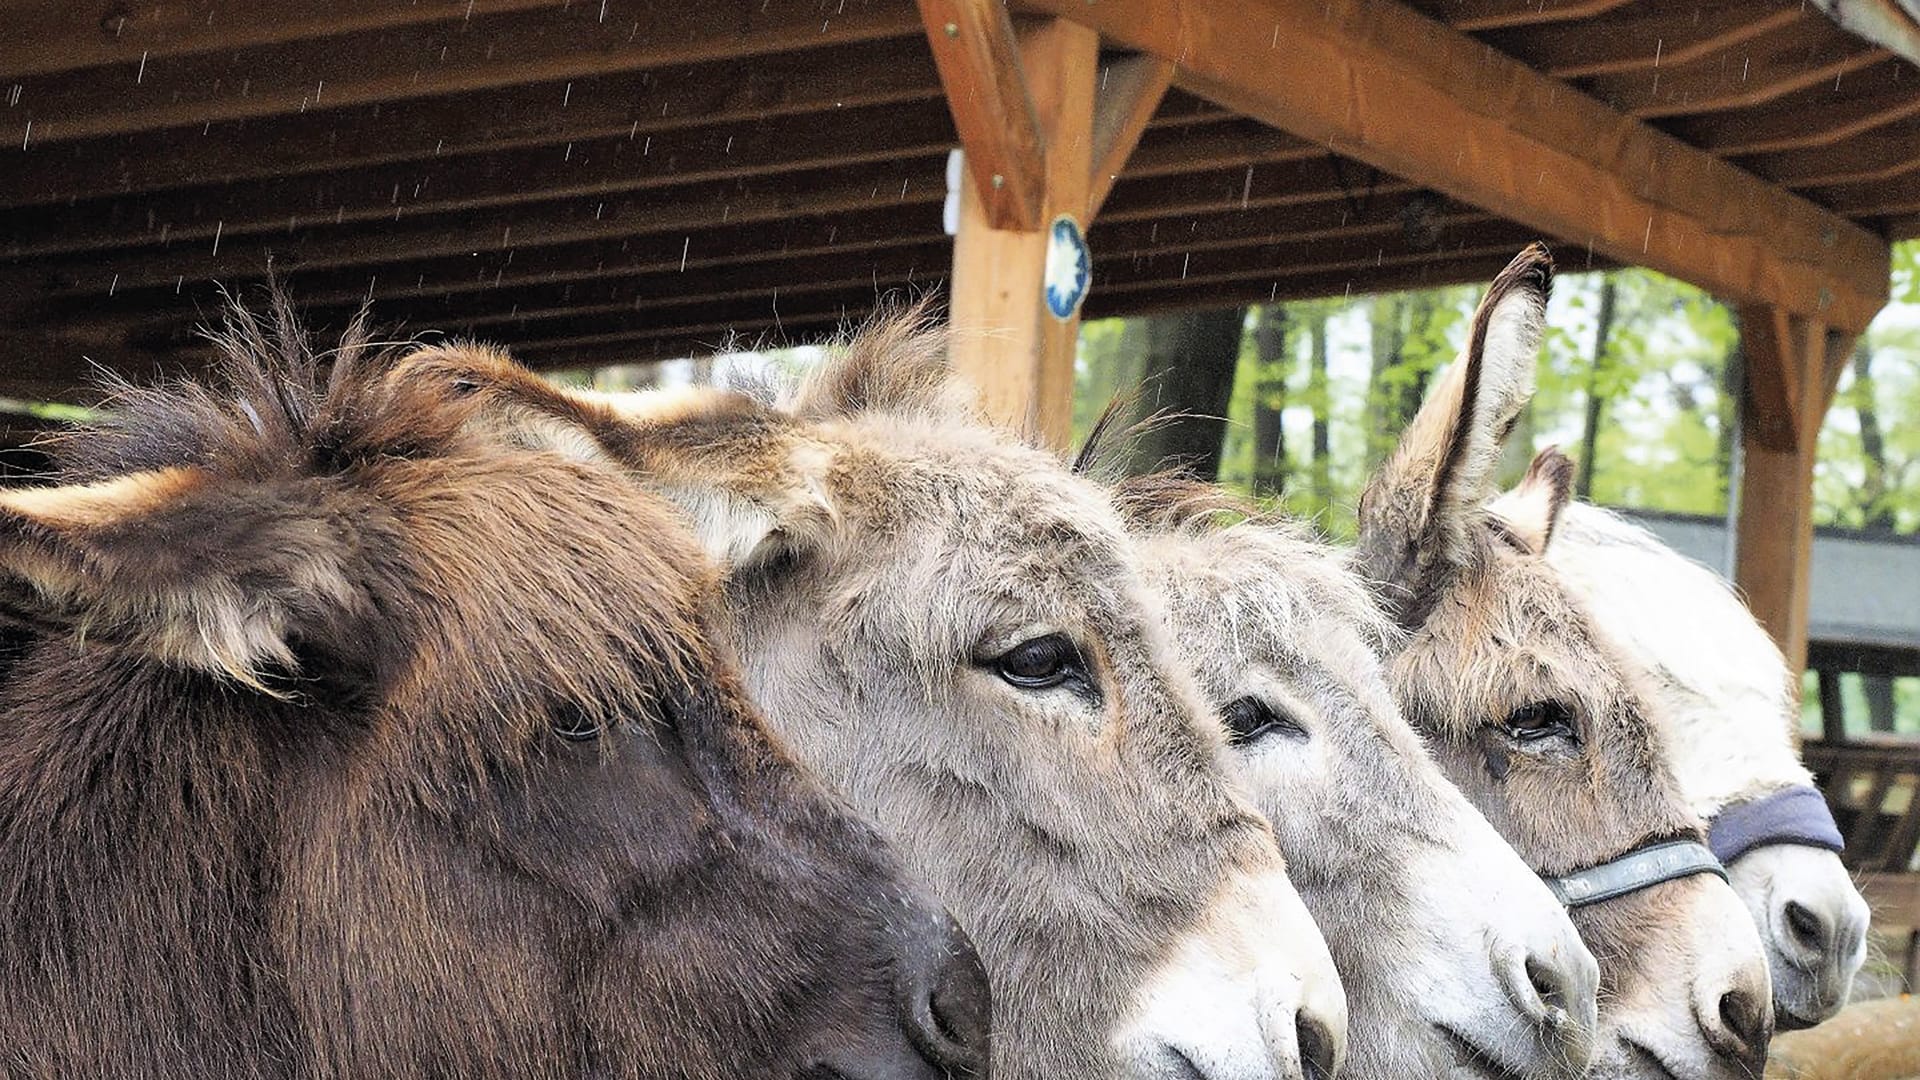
1538, 718
951, 627
344, 744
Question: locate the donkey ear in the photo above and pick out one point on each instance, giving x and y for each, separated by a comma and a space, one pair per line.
749, 486
1531, 510
1417, 511
174, 564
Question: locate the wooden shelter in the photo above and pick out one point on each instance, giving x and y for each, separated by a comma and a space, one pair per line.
596, 181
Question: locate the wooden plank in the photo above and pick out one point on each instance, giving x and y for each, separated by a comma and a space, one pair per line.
1129, 93
1873, 98
1005, 339
1640, 39
376, 66
1785, 59
435, 133
979, 61
1885, 197
650, 199
43, 37
1893, 896
1495, 14
1401, 92
702, 165
1877, 154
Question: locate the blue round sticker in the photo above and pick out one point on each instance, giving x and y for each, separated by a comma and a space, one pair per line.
1069, 267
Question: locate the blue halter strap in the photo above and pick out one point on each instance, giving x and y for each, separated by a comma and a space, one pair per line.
1795, 815
1641, 868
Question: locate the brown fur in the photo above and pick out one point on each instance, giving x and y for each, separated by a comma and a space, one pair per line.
884, 547
352, 844
1493, 629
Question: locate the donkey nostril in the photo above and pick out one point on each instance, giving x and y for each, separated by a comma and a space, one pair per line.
949, 1011
1748, 1022
1547, 983
1316, 1048
1808, 928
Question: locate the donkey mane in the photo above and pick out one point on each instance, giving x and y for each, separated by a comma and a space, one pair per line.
270, 403
896, 362
1267, 546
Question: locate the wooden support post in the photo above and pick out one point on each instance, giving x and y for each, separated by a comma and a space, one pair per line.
1792, 364
1005, 338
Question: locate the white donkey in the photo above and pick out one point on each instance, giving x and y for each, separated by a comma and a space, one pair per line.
1731, 709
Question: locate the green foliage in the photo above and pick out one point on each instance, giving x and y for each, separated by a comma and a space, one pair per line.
1666, 431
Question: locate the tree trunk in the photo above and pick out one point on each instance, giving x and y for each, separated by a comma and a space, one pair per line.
1596, 401
1733, 387
1386, 317
1875, 513
1190, 361
1318, 397
1273, 364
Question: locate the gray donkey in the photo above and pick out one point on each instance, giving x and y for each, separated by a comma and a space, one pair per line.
1542, 720
952, 628
1455, 956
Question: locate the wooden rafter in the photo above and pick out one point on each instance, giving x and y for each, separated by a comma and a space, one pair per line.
1657, 36
404, 140
1381, 83
979, 61
1130, 91
44, 37
1496, 14
375, 66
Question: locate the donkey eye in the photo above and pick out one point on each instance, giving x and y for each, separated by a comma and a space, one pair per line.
1540, 720
1041, 663
1250, 719
572, 723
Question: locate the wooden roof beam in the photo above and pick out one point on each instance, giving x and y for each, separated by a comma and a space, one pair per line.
979, 61
1380, 83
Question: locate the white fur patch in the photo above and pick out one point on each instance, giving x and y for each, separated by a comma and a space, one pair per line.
1228, 997
1726, 696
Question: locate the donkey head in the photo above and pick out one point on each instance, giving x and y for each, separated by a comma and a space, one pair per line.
1728, 713
345, 743
1533, 713
1453, 953
949, 625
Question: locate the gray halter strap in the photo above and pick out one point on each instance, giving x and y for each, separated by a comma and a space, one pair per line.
1641, 868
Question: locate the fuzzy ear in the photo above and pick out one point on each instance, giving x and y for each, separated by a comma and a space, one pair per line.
1417, 511
175, 564
1531, 510
897, 362
751, 487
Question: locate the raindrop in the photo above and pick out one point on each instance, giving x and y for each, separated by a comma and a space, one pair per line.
114, 286
567, 97
684, 248
141, 75
28, 137
729, 148
218, 227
